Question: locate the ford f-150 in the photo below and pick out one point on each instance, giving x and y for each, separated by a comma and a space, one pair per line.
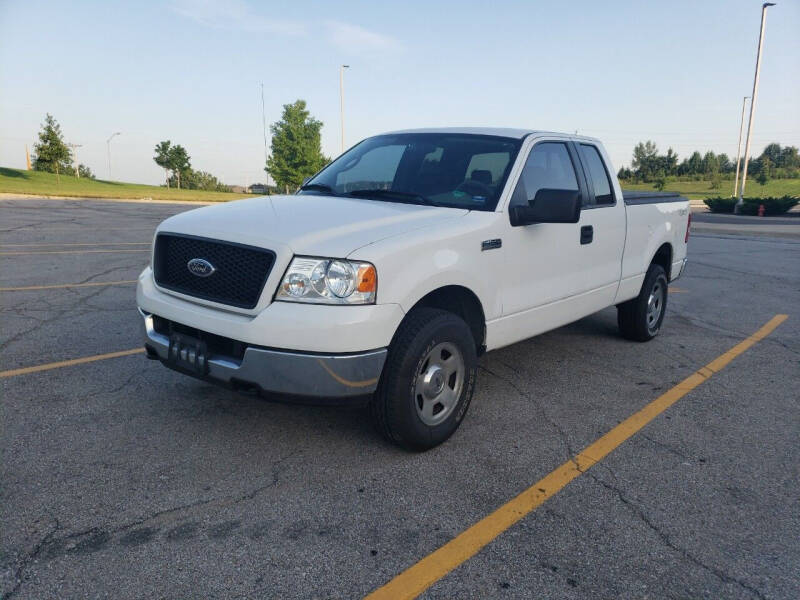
389, 272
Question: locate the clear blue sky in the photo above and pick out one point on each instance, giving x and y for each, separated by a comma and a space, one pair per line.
190, 71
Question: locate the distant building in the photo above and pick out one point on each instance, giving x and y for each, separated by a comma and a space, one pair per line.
258, 188
238, 189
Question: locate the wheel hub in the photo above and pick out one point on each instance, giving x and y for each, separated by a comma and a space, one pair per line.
655, 305
439, 381
433, 381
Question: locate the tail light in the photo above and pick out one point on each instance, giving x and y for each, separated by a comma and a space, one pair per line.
688, 227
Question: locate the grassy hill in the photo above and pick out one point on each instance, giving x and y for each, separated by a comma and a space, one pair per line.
35, 182
699, 190
17, 181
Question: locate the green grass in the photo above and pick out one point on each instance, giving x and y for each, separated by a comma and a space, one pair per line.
16, 181
699, 190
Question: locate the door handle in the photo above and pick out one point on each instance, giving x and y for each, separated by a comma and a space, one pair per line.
587, 234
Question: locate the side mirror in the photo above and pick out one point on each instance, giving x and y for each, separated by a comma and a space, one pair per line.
549, 206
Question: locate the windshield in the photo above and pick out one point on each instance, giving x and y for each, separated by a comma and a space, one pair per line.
440, 169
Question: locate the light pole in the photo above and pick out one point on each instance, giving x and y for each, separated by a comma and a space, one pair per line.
764, 8
739, 149
108, 148
341, 99
264, 128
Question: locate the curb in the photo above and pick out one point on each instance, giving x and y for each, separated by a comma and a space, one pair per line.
10, 196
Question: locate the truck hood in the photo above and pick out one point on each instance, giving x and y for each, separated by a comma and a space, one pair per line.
307, 224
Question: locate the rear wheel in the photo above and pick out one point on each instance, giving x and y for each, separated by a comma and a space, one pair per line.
640, 319
428, 380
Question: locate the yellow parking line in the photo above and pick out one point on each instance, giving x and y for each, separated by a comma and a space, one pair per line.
71, 252
420, 576
68, 363
677, 290
26, 288
74, 244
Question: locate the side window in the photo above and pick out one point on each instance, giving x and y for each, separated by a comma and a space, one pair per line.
597, 171
549, 166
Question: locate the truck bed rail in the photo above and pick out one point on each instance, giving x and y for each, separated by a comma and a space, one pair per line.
638, 197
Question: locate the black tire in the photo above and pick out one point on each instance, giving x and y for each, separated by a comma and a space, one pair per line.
395, 405
635, 317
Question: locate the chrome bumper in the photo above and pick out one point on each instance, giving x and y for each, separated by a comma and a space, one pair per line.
282, 372
683, 268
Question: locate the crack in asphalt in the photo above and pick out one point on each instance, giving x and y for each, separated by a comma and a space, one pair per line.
667, 541
570, 453
29, 558
666, 447
58, 543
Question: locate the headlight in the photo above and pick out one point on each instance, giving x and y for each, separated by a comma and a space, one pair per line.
328, 281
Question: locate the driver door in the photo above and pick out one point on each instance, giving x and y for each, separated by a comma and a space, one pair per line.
545, 271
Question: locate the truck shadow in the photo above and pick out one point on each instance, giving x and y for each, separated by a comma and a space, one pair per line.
265, 420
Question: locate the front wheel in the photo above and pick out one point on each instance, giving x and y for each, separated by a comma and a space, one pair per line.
640, 319
428, 380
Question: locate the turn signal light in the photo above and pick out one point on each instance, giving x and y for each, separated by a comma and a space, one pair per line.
367, 279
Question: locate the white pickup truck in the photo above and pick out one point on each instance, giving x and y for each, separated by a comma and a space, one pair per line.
391, 270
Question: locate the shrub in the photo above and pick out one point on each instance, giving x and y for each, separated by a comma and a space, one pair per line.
772, 206
720, 205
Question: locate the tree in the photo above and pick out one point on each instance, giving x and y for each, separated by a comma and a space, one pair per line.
765, 171
85, 172
296, 150
660, 183
161, 158
52, 154
645, 160
179, 161
773, 152
724, 163
789, 157
710, 164
669, 162
694, 164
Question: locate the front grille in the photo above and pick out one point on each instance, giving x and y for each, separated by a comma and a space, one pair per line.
239, 275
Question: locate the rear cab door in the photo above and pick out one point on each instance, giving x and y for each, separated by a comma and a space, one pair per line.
603, 223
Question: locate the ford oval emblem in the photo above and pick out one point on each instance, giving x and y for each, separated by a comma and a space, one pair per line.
200, 267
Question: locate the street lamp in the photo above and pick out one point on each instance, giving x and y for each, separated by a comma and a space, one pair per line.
341, 99
739, 149
764, 8
108, 148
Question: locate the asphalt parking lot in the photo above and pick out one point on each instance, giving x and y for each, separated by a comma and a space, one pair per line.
122, 479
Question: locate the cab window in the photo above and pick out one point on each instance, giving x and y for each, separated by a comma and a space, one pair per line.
549, 166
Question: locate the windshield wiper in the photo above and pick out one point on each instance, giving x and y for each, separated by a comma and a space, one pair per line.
401, 196
319, 187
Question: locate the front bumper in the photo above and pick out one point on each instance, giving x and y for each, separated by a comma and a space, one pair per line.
280, 372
